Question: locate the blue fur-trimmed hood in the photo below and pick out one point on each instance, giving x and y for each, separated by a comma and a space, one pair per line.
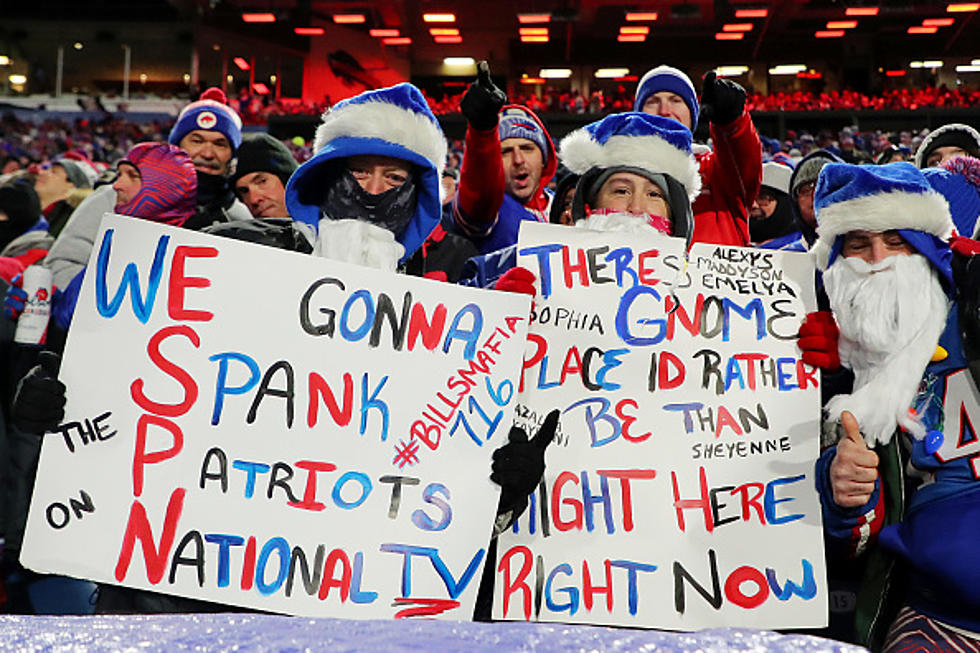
394, 121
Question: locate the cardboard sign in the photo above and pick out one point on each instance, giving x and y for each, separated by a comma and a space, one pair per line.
678, 491
273, 430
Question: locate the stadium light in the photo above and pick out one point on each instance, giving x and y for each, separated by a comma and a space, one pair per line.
349, 19
259, 18
439, 18
605, 73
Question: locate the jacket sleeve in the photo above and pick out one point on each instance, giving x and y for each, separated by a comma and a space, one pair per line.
849, 531
733, 171
481, 183
70, 251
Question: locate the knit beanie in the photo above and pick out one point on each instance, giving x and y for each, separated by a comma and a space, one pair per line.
517, 122
261, 152
668, 78
953, 134
958, 180
210, 113
20, 202
168, 190
74, 173
808, 170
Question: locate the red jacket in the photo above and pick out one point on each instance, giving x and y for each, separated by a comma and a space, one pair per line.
479, 209
730, 177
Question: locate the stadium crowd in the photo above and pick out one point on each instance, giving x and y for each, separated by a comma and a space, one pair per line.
888, 218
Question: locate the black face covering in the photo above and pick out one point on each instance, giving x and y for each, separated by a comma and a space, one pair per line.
392, 209
778, 224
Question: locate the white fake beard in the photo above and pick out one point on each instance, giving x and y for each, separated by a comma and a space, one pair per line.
624, 222
359, 242
890, 316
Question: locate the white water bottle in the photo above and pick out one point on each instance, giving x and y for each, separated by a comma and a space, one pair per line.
33, 321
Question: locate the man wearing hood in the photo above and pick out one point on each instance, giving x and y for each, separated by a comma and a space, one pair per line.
899, 483
731, 171
371, 192
508, 160
771, 220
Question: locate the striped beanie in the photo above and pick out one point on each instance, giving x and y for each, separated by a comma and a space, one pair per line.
168, 193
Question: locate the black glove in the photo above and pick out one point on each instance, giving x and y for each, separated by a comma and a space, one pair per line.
722, 100
39, 402
519, 464
482, 101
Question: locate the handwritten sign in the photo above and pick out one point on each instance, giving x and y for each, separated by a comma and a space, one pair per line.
678, 492
272, 430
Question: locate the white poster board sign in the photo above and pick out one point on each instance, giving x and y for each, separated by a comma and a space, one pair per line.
272, 430
678, 491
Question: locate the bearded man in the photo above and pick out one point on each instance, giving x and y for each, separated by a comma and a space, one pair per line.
899, 481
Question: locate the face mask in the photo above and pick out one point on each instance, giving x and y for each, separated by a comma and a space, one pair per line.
392, 209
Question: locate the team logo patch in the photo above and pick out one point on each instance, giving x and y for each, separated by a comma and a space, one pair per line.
206, 120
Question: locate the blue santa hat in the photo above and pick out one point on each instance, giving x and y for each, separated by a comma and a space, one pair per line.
210, 113
880, 198
394, 121
668, 78
959, 182
638, 140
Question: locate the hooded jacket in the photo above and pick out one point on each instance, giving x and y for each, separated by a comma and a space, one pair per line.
394, 122
483, 210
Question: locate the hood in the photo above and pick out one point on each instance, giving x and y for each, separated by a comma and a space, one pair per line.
394, 121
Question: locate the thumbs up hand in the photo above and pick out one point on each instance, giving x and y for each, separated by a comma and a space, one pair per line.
519, 464
854, 468
483, 100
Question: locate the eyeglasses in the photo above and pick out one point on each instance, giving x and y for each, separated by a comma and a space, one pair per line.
807, 188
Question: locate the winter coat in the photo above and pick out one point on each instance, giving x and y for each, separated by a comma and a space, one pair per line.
731, 173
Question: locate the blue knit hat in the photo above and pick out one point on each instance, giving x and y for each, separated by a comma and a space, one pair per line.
395, 122
210, 113
668, 78
638, 140
517, 122
959, 182
880, 198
